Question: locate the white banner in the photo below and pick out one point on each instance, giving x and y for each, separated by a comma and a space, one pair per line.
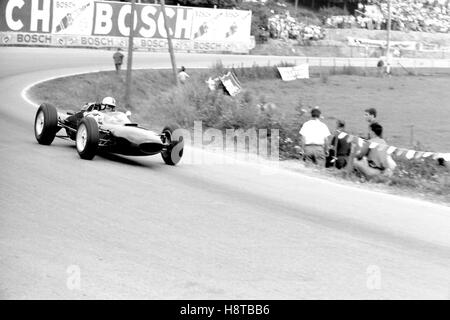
292, 73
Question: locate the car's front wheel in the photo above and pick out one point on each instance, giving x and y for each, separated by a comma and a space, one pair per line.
87, 138
46, 124
174, 151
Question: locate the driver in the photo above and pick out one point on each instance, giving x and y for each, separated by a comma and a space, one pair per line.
108, 104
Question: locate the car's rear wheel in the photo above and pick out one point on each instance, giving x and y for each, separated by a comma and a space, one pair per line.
46, 124
87, 138
173, 153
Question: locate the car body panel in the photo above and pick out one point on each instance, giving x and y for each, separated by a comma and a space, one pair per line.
117, 133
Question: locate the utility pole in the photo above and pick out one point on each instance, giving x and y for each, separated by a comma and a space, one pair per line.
296, 5
130, 55
169, 42
388, 45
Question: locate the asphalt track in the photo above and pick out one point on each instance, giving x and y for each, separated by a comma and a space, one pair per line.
136, 228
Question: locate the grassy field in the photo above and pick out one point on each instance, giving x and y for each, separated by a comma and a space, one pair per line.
418, 101
413, 109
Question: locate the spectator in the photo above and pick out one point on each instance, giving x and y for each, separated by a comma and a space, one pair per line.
315, 134
182, 75
339, 150
118, 59
372, 162
380, 66
371, 117
387, 68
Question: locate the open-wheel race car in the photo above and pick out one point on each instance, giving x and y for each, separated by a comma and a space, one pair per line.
98, 127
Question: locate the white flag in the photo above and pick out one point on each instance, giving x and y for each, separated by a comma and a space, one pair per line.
391, 149
410, 154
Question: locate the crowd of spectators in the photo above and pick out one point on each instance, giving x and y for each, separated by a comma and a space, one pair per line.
414, 15
284, 26
369, 157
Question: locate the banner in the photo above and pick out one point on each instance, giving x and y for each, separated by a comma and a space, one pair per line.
405, 45
107, 24
407, 153
231, 84
293, 73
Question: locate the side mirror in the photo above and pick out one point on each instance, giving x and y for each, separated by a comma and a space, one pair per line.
128, 113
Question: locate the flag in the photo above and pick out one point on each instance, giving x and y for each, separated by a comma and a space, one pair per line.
410, 154
373, 145
391, 149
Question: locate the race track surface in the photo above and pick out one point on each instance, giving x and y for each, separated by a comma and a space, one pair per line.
136, 228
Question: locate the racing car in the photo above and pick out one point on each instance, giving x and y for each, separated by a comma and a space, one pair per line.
95, 129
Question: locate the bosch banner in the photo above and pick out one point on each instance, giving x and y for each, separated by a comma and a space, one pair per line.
90, 23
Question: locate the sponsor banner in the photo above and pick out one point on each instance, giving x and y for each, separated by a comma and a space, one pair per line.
114, 18
405, 45
292, 73
25, 38
107, 24
46, 39
72, 17
213, 24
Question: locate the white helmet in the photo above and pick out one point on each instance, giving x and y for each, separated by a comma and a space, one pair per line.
109, 102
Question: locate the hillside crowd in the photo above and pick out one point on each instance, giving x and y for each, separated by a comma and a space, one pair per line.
414, 15
284, 26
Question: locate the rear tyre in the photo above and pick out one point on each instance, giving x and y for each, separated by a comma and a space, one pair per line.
174, 152
46, 124
87, 138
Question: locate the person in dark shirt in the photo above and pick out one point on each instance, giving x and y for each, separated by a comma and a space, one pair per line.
374, 161
118, 59
340, 149
371, 117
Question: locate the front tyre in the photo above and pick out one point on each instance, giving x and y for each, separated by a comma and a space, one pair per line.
174, 151
87, 138
46, 124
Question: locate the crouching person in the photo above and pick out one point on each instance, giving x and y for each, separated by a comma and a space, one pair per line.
373, 162
339, 150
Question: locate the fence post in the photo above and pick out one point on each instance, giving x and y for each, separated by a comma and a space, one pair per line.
411, 136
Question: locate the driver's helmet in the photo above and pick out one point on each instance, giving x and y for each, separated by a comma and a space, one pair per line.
108, 103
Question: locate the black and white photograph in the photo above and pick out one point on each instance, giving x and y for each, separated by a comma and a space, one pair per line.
242, 151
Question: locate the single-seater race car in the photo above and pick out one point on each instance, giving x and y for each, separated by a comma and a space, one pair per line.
96, 128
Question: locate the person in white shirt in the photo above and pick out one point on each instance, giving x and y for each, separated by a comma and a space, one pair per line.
182, 75
315, 135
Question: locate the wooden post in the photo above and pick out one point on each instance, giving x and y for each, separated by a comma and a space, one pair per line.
169, 42
130, 56
388, 46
